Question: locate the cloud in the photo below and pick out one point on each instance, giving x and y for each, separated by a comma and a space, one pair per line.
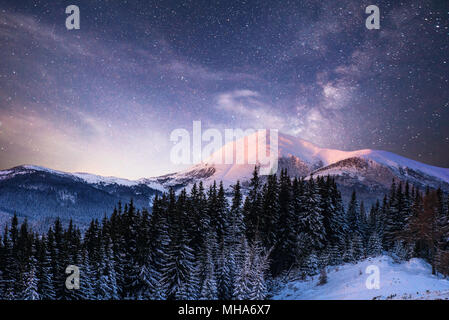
248, 106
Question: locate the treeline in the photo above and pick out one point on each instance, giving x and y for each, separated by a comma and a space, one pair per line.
206, 244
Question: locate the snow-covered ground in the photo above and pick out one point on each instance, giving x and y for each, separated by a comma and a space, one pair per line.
407, 280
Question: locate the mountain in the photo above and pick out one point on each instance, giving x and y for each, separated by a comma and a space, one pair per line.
41, 194
369, 172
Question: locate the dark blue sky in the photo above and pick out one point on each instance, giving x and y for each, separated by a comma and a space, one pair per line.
105, 98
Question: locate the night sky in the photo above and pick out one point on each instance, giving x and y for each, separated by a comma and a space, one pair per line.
104, 99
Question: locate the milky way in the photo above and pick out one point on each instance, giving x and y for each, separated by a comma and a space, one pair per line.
105, 98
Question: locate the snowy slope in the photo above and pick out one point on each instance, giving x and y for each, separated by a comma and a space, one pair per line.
86, 177
314, 156
299, 155
407, 280
396, 161
372, 169
390, 160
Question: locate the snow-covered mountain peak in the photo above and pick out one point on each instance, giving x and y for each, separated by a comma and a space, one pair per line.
288, 146
302, 158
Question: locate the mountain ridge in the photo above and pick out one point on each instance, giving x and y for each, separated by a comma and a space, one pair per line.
37, 192
303, 158
289, 146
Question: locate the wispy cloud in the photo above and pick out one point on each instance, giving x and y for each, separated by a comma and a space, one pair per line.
249, 107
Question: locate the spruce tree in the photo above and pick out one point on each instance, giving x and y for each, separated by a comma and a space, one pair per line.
88, 281
243, 277
374, 245
311, 219
252, 206
352, 215
284, 250
269, 216
159, 243
180, 265
258, 269
30, 285
46, 283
